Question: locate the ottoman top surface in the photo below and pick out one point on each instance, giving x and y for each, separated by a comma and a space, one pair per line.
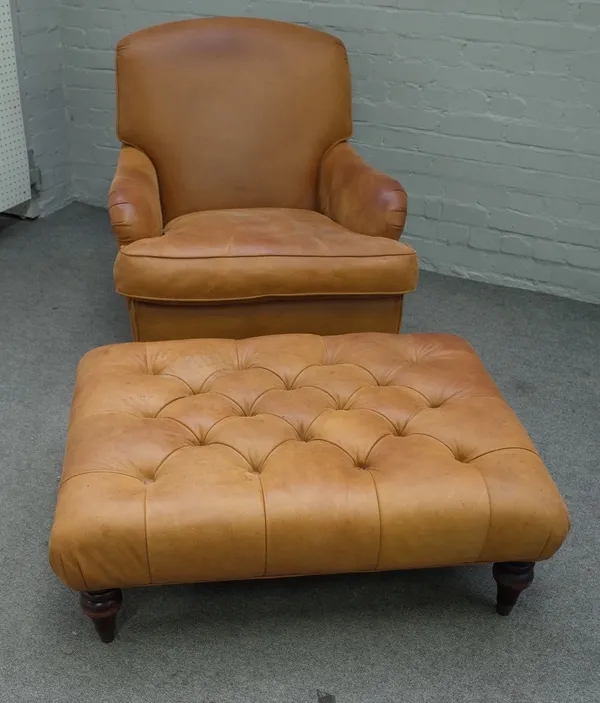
282, 443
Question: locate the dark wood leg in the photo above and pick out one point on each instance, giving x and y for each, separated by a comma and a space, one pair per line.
102, 607
512, 577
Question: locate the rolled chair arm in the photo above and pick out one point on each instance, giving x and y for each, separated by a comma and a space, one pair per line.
134, 199
358, 197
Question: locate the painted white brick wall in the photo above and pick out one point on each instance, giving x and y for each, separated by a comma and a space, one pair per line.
40, 58
488, 111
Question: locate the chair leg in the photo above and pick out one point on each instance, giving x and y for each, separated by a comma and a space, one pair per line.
512, 577
102, 607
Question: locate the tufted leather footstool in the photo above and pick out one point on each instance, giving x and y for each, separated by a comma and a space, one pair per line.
209, 460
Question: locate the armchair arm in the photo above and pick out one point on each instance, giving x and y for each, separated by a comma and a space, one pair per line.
134, 200
358, 197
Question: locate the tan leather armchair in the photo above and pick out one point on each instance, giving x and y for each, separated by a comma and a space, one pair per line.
239, 207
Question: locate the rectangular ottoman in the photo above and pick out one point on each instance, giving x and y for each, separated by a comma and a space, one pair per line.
210, 460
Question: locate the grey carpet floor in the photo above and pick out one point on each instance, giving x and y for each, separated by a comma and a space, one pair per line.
390, 638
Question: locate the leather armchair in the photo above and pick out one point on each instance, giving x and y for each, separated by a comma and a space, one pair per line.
238, 204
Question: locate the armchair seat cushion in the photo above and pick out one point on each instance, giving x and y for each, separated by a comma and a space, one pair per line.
262, 253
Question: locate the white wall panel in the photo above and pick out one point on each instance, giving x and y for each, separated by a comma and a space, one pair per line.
14, 164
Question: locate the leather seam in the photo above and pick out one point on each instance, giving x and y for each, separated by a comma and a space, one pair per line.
218, 422
380, 521
171, 403
424, 434
264, 368
262, 395
81, 574
169, 455
267, 298
146, 534
133, 318
99, 471
173, 419
387, 419
264, 502
503, 449
541, 554
305, 574
322, 391
162, 257
337, 446
376, 443
489, 527
170, 375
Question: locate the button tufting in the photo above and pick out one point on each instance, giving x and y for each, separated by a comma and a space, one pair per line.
411, 508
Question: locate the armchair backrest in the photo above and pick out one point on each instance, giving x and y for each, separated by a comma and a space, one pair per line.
233, 112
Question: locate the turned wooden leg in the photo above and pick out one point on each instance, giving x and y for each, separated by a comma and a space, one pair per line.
102, 607
512, 577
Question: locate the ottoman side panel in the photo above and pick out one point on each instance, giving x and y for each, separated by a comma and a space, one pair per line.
529, 520
98, 539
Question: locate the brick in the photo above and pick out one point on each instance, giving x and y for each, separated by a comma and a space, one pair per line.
559, 36
464, 214
454, 233
408, 22
274, 10
471, 78
87, 58
73, 37
550, 251
526, 203
371, 90
558, 10
328, 15
439, 98
397, 138
575, 233
513, 244
478, 28
589, 213
418, 72
406, 96
515, 58
36, 21
589, 13
586, 66
556, 62
584, 257
421, 227
482, 238
549, 137
511, 221
485, 196
478, 127
99, 39
564, 209
543, 86
507, 107
399, 116
465, 101
433, 208
513, 266
443, 50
